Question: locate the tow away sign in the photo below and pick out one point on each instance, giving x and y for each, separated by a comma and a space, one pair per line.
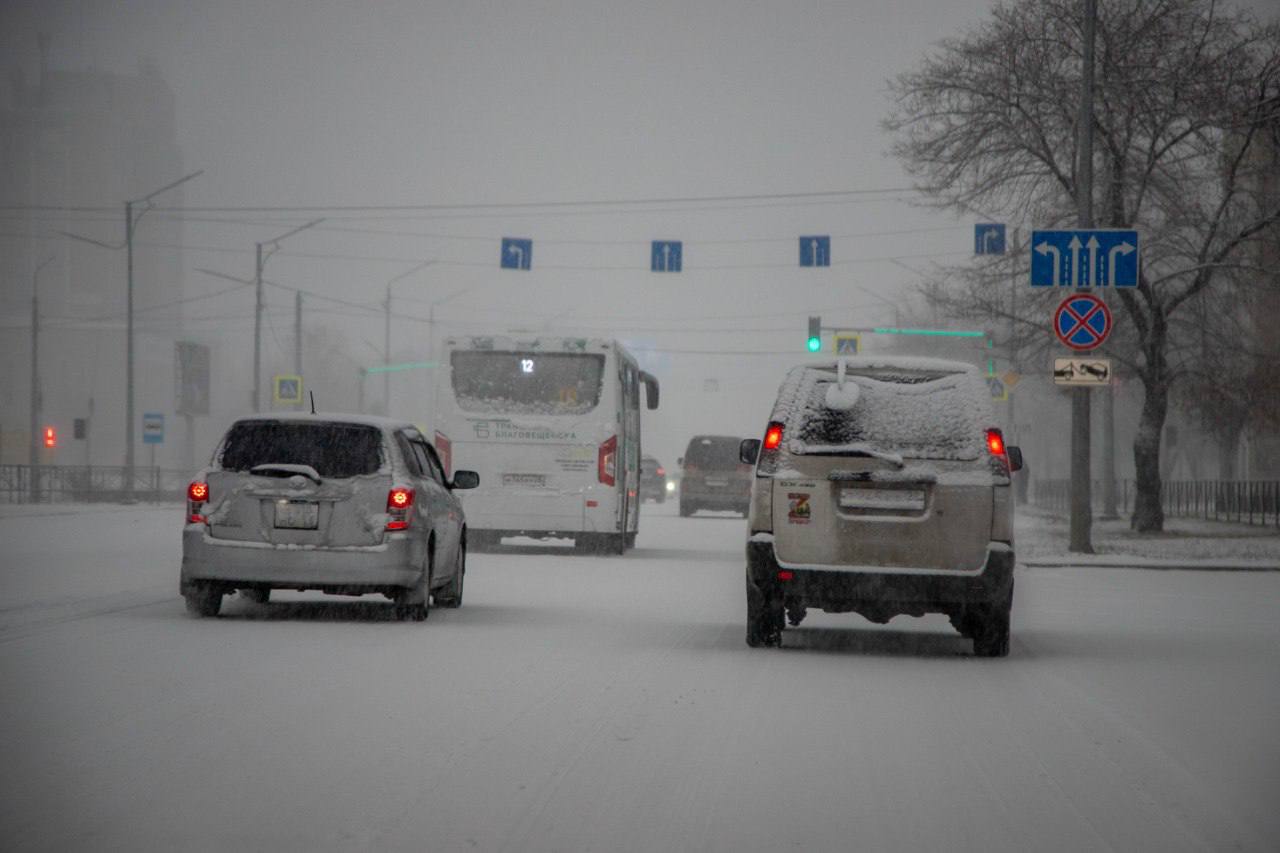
1082, 371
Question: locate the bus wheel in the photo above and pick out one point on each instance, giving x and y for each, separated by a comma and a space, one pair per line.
631, 540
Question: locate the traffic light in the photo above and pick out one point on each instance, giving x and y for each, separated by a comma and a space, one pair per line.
815, 334
50, 437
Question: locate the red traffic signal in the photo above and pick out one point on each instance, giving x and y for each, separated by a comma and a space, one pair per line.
50, 437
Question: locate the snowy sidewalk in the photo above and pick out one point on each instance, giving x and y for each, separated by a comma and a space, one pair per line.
1185, 543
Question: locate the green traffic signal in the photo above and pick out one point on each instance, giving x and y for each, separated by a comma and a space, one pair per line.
815, 334
815, 344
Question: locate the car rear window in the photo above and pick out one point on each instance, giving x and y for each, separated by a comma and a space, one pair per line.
542, 383
908, 413
335, 450
713, 451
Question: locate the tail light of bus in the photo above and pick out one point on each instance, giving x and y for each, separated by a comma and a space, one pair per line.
399, 507
197, 496
607, 461
444, 448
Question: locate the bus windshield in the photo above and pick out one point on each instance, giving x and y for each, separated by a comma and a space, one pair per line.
533, 383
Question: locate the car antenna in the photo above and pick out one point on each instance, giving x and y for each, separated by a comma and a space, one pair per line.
313, 401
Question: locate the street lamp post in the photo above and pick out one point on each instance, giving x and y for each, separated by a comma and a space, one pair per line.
130, 224
35, 379
386, 334
260, 263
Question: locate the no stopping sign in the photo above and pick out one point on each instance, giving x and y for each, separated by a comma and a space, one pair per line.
1082, 321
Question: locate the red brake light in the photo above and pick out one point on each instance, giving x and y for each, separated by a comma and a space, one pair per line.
50, 437
995, 442
399, 503
661, 472
197, 494
773, 437
606, 461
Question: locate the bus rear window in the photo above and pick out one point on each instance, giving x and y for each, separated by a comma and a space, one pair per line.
531, 383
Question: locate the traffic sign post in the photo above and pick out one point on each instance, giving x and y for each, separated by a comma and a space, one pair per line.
1085, 257
517, 253
988, 238
1082, 321
287, 389
848, 344
815, 250
666, 256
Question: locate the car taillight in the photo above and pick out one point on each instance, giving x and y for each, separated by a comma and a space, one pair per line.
773, 437
770, 450
606, 461
444, 447
197, 495
995, 442
661, 472
399, 506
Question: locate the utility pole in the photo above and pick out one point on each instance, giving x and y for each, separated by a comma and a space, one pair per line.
386, 334
129, 226
297, 332
36, 400
1081, 474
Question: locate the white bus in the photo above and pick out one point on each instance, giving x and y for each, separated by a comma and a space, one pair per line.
552, 425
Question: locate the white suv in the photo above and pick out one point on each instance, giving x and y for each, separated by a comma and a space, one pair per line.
882, 487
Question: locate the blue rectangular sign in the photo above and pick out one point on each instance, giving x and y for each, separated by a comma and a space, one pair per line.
988, 238
815, 250
1084, 258
665, 256
153, 427
517, 253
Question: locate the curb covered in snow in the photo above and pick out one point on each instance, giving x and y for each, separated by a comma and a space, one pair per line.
1125, 561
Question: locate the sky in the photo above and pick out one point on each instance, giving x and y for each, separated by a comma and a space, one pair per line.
323, 103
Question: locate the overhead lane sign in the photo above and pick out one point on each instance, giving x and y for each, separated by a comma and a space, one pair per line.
1082, 321
1084, 258
517, 253
665, 256
815, 250
988, 238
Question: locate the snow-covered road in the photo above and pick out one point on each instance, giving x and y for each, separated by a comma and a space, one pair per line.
580, 703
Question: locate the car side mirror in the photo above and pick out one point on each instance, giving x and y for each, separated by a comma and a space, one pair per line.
748, 450
650, 389
1015, 457
465, 480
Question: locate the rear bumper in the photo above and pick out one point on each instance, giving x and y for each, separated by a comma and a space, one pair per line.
395, 563
899, 592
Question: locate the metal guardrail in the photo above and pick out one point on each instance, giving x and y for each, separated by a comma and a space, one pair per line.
1243, 501
88, 483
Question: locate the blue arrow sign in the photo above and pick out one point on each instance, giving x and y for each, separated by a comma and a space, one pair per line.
664, 256
815, 250
988, 238
517, 253
1085, 258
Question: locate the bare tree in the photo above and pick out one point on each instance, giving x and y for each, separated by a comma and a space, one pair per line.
1185, 94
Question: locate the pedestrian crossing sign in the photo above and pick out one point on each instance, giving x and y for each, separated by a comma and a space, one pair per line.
847, 344
288, 390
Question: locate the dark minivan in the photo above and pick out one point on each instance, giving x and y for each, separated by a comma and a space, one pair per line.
713, 477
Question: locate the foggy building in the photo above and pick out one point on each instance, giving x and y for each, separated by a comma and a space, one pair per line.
74, 146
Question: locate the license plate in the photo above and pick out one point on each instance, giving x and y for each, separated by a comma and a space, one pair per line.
717, 484
883, 500
297, 515
537, 480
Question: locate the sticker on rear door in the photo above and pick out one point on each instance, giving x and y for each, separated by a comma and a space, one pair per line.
797, 507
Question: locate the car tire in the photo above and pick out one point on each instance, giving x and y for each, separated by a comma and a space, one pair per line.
631, 540
257, 596
686, 508
414, 604
990, 629
203, 601
450, 597
764, 620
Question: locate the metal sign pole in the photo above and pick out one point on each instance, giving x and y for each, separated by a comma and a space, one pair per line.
1081, 479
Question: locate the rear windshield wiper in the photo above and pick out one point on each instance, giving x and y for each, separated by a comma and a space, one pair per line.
282, 469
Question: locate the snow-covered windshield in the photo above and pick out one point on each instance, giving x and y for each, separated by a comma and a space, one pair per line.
909, 414
335, 450
530, 383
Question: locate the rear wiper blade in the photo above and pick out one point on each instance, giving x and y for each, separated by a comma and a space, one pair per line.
283, 469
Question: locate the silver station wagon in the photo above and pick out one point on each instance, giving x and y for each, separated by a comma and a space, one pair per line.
882, 487
344, 504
